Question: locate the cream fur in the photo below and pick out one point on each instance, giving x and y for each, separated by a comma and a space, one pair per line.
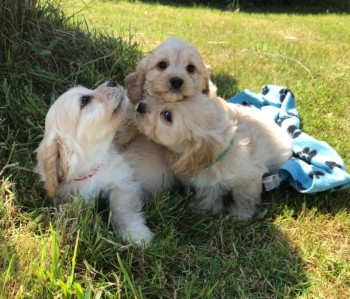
78, 142
177, 55
200, 130
147, 157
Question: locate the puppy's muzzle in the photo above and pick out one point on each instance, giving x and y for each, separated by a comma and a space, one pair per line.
176, 82
141, 108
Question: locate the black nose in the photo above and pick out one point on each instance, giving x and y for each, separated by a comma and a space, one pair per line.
111, 84
141, 108
176, 82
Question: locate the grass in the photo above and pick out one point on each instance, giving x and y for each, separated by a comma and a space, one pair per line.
298, 247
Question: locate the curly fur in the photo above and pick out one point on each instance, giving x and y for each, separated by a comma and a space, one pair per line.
177, 55
221, 148
76, 155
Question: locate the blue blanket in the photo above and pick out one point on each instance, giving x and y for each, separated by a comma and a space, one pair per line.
315, 166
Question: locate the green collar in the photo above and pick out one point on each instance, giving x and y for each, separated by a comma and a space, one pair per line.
224, 152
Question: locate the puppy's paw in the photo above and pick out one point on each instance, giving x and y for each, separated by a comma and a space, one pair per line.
139, 234
213, 207
242, 213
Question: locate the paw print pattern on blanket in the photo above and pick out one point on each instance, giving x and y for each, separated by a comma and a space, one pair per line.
265, 90
315, 166
293, 131
332, 164
316, 174
284, 92
306, 154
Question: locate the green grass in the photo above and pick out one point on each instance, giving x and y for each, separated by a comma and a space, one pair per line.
298, 247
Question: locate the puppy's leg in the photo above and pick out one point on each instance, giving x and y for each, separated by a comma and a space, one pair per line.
126, 206
246, 197
210, 198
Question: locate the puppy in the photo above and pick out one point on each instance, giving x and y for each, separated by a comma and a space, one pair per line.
221, 147
147, 159
76, 156
173, 72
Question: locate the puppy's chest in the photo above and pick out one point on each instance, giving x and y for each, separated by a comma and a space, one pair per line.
87, 189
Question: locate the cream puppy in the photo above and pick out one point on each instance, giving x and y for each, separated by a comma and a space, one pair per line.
173, 72
76, 156
146, 157
222, 148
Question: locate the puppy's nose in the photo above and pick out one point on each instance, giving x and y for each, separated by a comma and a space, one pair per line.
176, 82
141, 108
111, 84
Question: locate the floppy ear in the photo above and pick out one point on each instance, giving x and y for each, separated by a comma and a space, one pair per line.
198, 155
209, 87
54, 161
135, 81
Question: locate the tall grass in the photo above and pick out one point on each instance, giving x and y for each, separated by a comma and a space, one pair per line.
42, 53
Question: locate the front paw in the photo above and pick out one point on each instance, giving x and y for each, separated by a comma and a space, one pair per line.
213, 207
241, 213
139, 234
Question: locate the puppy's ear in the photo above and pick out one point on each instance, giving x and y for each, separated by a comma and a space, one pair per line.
209, 87
54, 160
135, 81
198, 155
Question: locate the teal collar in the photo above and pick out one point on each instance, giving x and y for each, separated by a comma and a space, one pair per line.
224, 152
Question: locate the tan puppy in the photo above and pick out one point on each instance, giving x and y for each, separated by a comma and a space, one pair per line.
77, 156
219, 146
174, 71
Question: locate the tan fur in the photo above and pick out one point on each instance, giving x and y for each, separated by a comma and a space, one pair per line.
196, 156
48, 154
149, 79
178, 54
135, 81
221, 147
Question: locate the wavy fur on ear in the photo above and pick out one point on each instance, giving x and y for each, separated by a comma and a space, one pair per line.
207, 90
135, 81
55, 157
199, 154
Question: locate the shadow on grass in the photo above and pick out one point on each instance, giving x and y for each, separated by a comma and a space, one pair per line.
42, 54
330, 203
265, 6
227, 85
218, 257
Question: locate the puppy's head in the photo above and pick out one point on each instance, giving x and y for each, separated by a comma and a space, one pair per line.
79, 121
194, 130
172, 72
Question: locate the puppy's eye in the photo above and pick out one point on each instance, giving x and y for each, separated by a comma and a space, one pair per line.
162, 65
190, 68
167, 116
84, 101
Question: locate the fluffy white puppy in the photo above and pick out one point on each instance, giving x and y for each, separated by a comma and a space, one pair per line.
221, 147
76, 156
174, 71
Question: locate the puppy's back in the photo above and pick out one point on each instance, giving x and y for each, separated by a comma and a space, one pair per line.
267, 140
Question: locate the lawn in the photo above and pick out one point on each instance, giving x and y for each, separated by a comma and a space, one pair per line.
297, 247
